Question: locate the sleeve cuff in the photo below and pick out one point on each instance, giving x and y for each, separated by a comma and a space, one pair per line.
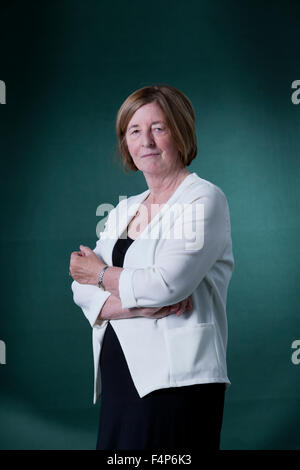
92, 311
126, 293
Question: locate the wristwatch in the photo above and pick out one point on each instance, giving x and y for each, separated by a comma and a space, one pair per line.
101, 276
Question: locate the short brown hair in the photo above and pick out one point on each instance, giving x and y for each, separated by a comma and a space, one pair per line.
179, 114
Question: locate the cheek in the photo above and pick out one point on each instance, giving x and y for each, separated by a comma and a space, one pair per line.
168, 144
133, 149
130, 146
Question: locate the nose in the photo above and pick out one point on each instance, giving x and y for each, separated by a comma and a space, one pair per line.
147, 139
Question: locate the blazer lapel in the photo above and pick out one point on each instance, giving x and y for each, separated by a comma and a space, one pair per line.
128, 209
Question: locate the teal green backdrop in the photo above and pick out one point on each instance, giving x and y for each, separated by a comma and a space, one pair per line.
68, 66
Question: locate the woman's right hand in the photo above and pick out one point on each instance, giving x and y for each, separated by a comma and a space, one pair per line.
160, 312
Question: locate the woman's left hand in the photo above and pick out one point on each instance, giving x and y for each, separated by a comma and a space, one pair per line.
85, 266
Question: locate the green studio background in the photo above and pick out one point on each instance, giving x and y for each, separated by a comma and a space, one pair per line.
68, 66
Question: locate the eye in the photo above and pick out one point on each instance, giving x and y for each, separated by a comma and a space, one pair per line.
156, 128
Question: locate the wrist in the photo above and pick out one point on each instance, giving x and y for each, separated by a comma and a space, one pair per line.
112, 310
100, 276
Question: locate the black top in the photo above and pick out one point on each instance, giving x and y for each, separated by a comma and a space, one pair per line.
119, 250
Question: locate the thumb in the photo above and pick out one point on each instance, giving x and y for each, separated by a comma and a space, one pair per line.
85, 249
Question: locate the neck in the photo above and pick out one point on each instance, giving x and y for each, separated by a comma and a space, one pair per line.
163, 186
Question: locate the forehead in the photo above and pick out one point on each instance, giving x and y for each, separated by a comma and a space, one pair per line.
147, 113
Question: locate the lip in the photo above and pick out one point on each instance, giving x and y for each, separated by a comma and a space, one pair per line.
150, 154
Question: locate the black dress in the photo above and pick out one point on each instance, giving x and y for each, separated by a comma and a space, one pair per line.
175, 418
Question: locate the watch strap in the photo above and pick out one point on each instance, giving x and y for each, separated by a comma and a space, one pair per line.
101, 276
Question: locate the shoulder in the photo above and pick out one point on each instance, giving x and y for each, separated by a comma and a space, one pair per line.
201, 188
198, 188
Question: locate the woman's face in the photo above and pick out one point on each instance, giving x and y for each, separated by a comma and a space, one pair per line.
147, 133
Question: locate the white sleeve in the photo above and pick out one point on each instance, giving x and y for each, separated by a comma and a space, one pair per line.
88, 297
180, 262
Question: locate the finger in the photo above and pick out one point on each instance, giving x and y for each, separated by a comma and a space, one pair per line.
183, 303
183, 307
76, 253
187, 304
179, 309
172, 308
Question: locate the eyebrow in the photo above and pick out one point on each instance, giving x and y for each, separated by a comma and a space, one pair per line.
155, 122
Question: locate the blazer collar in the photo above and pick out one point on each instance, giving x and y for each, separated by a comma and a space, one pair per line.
136, 201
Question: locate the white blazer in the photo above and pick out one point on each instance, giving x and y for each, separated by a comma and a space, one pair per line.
162, 268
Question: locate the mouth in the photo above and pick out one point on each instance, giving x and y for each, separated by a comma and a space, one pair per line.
150, 155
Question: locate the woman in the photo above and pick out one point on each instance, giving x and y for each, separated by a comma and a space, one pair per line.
168, 250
